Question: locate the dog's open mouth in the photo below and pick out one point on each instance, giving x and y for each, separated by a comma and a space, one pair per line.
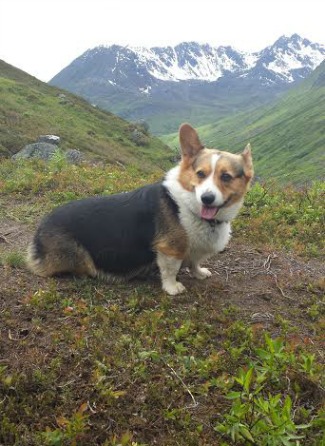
209, 212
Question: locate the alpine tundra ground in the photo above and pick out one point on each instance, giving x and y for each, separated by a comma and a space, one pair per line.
237, 360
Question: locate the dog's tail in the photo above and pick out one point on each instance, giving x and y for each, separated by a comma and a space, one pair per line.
53, 253
34, 259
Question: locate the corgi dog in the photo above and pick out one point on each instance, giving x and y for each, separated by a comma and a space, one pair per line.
180, 221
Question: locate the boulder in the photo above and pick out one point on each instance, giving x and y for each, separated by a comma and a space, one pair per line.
45, 151
74, 156
50, 139
40, 150
139, 138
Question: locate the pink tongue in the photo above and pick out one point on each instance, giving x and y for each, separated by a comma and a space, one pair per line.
208, 213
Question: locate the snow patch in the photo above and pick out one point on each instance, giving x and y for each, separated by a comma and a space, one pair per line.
145, 90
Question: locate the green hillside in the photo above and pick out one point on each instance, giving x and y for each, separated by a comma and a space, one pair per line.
29, 108
197, 102
288, 138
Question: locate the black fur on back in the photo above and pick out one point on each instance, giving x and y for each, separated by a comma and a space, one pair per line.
117, 230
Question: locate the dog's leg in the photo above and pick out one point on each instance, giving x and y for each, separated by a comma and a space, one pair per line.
200, 273
169, 267
196, 271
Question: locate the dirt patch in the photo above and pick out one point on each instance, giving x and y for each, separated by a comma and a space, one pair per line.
14, 236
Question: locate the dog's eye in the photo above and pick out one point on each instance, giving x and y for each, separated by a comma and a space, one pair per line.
226, 177
200, 174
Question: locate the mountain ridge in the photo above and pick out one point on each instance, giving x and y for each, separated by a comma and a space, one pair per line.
188, 59
191, 81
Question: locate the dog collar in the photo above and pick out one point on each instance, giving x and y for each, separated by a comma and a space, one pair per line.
214, 223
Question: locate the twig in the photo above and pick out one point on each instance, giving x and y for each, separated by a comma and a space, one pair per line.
99, 292
195, 403
3, 235
267, 263
67, 383
4, 238
280, 289
91, 408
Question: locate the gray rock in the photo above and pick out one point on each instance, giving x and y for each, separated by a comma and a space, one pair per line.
74, 156
262, 317
51, 139
139, 138
40, 150
45, 151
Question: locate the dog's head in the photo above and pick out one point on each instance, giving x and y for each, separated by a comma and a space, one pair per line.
218, 180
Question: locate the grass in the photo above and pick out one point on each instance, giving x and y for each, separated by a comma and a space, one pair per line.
30, 108
84, 362
285, 218
13, 259
37, 187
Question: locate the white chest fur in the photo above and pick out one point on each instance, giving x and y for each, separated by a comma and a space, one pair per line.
204, 238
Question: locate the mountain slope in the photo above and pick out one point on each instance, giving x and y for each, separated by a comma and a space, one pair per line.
288, 138
30, 107
201, 83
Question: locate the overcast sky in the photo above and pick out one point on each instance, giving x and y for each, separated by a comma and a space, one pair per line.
43, 36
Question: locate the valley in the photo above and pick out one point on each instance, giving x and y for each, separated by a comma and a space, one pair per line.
190, 82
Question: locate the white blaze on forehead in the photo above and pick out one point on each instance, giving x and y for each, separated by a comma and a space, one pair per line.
208, 185
214, 159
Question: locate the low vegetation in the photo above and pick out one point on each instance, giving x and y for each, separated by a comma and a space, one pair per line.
285, 218
30, 108
237, 360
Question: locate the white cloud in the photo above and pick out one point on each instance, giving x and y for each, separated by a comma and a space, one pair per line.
43, 36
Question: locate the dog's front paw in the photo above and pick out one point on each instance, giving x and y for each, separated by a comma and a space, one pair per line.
174, 288
201, 273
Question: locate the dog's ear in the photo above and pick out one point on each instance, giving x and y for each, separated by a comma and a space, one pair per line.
248, 162
189, 141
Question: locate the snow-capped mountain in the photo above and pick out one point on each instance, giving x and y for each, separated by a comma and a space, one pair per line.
187, 75
191, 61
290, 58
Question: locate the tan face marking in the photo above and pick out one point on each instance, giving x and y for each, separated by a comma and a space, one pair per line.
208, 170
229, 176
228, 181
193, 174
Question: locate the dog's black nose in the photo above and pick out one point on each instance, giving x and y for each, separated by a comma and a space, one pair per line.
208, 198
